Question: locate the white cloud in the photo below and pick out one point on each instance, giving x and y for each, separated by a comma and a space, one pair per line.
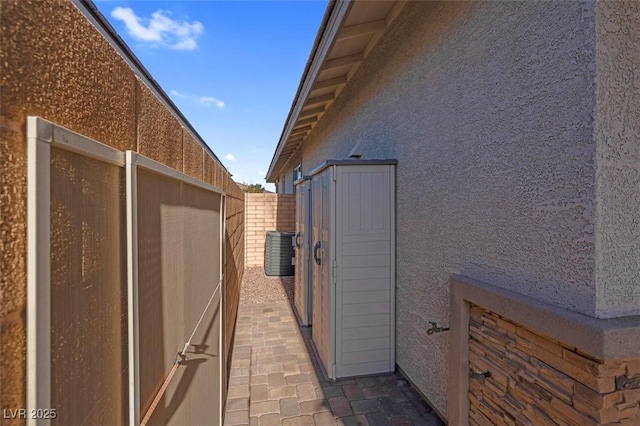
210, 101
230, 157
160, 29
260, 172
207, 101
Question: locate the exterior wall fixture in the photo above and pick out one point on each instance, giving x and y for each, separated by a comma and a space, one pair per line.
435, 329
479, 375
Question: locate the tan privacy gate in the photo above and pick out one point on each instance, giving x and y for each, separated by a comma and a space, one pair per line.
124, 260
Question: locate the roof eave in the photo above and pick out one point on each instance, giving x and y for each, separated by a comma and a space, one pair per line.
332, 21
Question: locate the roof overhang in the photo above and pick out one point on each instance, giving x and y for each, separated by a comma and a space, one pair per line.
349, 31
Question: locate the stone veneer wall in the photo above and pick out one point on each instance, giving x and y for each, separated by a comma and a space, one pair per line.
537, 380
266, 212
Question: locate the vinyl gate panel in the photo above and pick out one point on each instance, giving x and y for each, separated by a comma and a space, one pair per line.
364, 253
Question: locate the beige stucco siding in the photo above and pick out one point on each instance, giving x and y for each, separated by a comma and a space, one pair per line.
488, 108
618, 158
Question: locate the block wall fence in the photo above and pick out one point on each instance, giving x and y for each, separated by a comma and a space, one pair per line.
263, 213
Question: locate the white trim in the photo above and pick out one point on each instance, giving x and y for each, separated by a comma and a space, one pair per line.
336, 238
132, 288
41, 136
308, 240
74, 142
38, 386
334, 321
392, 239
297, 173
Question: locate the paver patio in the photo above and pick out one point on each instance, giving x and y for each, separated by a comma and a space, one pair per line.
275, 380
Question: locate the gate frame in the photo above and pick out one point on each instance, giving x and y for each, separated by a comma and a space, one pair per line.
135, 161
41, 136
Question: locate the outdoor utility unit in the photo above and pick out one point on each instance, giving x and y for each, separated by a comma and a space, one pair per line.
353, 266
279, 254
302, 291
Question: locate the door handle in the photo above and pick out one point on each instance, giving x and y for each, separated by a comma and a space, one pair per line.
315, 251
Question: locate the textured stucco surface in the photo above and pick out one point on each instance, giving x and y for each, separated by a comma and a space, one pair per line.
488, 108
55, 64
12, 356
12, 269
42, 74
159, 132
193, 156
618, 158
211, 171
76, 81
12, 200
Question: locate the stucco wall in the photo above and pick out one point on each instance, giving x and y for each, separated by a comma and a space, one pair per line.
56, 64
618, 158
488, 108
265, 212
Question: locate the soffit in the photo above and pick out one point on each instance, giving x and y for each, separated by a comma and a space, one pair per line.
349, 41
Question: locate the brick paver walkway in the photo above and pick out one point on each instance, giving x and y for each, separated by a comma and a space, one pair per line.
274, 380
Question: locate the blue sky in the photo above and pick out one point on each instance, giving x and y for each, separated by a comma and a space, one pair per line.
231, 67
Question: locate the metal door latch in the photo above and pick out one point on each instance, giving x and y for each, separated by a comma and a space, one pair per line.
435, 329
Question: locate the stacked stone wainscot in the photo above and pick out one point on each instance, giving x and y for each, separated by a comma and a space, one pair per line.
537, 380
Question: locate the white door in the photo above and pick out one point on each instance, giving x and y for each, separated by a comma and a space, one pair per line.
302, 291
365, 301
322, 306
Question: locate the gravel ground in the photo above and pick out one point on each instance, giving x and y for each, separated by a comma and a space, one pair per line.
258, 288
